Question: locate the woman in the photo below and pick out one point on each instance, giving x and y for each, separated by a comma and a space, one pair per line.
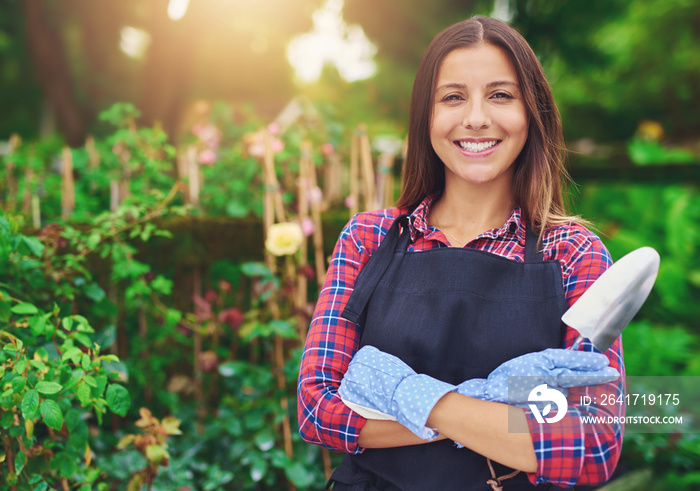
479, 261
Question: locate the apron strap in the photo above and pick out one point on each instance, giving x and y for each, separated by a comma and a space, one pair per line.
532, 253
496, 483
375, 268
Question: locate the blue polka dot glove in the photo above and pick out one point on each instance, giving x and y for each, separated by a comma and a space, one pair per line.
558, 368
382, 382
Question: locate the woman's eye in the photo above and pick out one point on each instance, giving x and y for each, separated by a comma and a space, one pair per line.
452, 97
501, 95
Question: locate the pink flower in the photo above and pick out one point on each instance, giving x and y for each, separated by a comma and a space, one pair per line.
327, 149
208, 134
211, 296
202, 308
207, 157
232, 317
315, 195
274, 128
349, 202
307, 226
277, 145
257, 149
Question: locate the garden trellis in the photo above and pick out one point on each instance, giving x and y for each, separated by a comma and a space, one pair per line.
264, 315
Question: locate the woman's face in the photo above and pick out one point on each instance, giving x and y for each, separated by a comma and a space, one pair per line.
479, 121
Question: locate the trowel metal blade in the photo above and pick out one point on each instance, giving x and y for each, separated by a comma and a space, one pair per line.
605, 309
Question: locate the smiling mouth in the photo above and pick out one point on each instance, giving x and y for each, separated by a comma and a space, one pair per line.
477, 147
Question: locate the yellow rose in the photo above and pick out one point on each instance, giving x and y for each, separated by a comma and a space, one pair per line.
284, 239
650, 130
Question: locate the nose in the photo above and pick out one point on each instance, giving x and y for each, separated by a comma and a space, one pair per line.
476, 115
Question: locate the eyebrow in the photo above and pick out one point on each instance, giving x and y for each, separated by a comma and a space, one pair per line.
490, 85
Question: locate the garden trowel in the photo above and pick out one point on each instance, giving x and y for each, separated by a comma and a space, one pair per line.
605, 309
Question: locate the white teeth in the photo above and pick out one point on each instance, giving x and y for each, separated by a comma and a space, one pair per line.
477, 147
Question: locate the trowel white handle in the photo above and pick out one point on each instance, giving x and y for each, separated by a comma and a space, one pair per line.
577, 343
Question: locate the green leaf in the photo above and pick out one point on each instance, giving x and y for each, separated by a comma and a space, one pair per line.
51, 414
85, 362
20, 366
156, 454
20, 460
67, 323
83, 393
99, 389
72, 354
255, 269
8, 418
83, 324
94, 292
30, 404
283, 328
48, 387
68, 466
118, 399
37, 324
4, 311
18, 384
72, 419
299, 475
78, 436
38, 364
10, 349
34, 245
258, 469
24, 309
83, 339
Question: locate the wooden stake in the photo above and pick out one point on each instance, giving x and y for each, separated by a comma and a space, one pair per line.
93, 154
319, 259
193, 176
28, 185
269, 168
197, 361
354, 174
368, 185
114, 195
125, 182
385, 180
272, 202
304, 185
331, 181
36, 211
67, 183
143, 334
10, 178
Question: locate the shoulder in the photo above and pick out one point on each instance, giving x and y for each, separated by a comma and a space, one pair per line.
572, 243
366, 229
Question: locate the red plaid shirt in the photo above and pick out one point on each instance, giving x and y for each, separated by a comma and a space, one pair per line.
567, 453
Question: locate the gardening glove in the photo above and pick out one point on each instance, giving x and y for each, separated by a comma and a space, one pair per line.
382, 382
558, 368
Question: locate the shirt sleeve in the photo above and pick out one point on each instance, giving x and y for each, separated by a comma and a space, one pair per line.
330, 344
584, 447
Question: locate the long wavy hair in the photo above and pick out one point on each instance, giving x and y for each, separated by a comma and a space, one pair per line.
540, 174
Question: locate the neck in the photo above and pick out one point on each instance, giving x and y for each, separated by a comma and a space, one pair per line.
466, 213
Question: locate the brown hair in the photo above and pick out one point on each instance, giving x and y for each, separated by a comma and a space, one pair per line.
539, 169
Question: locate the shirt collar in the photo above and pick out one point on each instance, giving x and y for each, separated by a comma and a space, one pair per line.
514, 227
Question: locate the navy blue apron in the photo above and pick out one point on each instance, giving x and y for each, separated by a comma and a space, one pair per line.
454, 314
